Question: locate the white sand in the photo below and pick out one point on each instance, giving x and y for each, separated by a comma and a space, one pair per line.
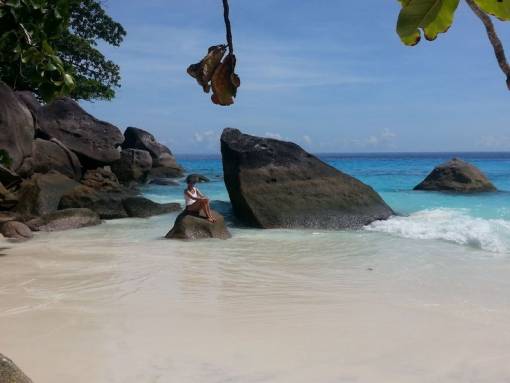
115, 304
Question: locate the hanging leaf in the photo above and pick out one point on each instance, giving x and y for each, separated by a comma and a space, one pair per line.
225, 82
204, 70
430, 16
498, 8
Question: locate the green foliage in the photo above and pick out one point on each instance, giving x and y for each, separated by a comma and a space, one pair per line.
498, 8
430, 16
95, 76
50, 48
28, 58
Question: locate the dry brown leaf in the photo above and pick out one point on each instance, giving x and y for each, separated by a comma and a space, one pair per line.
225, 82
204, 70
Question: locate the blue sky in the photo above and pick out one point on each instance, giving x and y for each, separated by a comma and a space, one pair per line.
329, 75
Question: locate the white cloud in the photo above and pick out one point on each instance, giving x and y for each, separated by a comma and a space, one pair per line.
307, 140
492, 142
276, 136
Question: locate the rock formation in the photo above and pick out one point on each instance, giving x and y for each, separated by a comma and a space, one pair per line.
15, 230
272, 184
458, 176
133, 166
16, 127
140, 207
64, 220
95, 142
163, 161
192, 227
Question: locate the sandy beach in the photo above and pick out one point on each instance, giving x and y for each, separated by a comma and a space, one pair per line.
114, 303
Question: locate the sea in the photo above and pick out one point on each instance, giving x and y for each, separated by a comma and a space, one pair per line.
421, 297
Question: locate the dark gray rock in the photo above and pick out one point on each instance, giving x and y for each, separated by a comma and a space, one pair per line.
192, 227
164, 181
99, 191
163, 161
9, 178
30, 101
274, 184
134, 166
458, 176
15, 230
197, 178
41, 193
141, 207
95, 142
64, 220
10, 373
16, 127
50, 156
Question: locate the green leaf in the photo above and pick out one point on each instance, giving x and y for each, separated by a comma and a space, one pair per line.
431, 16
68, 79
498, 8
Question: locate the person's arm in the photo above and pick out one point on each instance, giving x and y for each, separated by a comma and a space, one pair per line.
199, 193
190, 196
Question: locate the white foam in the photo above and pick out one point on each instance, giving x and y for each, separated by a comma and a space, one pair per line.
452, 225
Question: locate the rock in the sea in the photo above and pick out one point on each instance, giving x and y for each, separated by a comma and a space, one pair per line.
197, 178
52, 155
272, 184
41, 193
141, 207
164, 181
10, 373
163, 161
94, 141
192, 227
456, 175
16, 127
134, 166
15, 230
64, 220
99, 191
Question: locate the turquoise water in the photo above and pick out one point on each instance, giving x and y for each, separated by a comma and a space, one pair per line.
392, 175
479, 220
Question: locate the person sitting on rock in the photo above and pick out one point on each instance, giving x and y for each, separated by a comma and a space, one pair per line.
196, 201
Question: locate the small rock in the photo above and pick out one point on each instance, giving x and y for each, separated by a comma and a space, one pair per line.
192, 227
458, 176
64, 220
196, 178
10, 373
164, 181
141, 207
15, 230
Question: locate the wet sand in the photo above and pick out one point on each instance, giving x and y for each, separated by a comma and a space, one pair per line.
116, 303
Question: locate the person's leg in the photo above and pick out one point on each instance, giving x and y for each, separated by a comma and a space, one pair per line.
195, 208
207, 210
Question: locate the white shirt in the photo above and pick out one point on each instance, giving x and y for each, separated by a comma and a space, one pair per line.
194, 193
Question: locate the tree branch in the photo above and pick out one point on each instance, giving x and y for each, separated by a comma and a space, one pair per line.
499, 51
226, 11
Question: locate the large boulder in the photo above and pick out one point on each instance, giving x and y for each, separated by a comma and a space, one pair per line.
95, 142
41, 193
456, 175
28, 98
10, 373
192, 227
141, 207
64, 220
134, 166
163, 161
274, 184
52, 155
15, 230
16, 127
99, 191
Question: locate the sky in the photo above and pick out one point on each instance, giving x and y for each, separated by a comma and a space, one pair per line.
330, 75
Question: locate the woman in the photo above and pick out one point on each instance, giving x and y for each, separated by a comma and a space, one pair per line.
196, 201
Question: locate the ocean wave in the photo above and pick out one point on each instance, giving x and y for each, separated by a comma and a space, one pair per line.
452, 225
